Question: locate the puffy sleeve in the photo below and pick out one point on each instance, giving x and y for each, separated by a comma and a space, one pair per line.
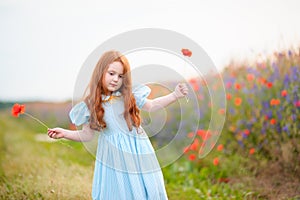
79, 114
140, 93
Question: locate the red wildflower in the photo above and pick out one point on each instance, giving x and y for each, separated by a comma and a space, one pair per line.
216, 161
237, 86
250, 77
297, 104
205, 135
195, 145
192, 157
273, 121
17, 109
252, 151
237, 101
247, 132
262, 80
283, 93
186, 149
193, 81
201, 133
269, 84
20, 109
186, 52
220, 147
195, 87
274, 102
228, 96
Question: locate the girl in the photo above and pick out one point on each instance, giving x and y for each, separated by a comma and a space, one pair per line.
126, 166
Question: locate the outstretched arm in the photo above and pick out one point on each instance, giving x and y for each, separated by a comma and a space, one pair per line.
161, 102
86, 134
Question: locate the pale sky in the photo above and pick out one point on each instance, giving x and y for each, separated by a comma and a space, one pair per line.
44, 43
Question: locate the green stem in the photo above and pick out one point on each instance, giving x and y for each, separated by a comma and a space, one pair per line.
29, 115
42, 123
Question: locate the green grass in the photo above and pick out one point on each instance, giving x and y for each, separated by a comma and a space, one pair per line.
41, 170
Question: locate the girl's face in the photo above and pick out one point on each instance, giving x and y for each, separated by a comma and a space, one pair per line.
113, 78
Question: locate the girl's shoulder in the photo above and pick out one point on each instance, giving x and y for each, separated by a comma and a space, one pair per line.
79, 114
140, 93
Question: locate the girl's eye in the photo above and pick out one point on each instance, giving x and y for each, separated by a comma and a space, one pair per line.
121, 76
111, 73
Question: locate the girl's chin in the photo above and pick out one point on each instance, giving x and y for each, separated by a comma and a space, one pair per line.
112, 89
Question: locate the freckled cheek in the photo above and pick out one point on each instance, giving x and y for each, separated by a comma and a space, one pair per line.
120, 82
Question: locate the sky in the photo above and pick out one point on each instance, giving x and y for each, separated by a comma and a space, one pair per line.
45, 43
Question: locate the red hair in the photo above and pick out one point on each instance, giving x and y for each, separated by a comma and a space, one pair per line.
95, 90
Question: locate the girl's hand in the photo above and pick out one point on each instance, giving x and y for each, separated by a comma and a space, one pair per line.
56, 133
181, 90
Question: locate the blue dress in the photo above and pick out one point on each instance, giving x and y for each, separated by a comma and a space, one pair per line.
126, 167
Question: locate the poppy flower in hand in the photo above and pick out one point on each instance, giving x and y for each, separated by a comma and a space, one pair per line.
186, 52
17, 109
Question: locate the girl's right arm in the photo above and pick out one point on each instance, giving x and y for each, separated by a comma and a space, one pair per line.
86, 134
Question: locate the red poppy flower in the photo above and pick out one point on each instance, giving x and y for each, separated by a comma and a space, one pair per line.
186, 52
252, 151
269, 84
274, 102
186, 149
205, 135
192, 157
228, 96
250, 77
262, 80
20, 109
201, 132
195, 87
237, 86
17, 109
195, 145
283, 93
273, 121
220, 147
193, 81
247, 132
237, 101
216, 161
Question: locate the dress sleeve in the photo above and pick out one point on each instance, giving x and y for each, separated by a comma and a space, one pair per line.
140, 93
79, 114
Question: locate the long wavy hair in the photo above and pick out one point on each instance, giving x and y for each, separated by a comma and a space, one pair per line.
95, 90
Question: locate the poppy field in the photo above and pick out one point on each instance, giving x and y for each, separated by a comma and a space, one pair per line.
257, 155
259, 148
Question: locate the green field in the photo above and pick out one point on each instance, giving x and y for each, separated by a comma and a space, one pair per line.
256, 157
32, 169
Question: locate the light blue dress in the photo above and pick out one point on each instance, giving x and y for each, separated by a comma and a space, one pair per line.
126, 167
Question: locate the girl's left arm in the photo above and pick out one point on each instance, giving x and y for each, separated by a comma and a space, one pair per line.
161, 102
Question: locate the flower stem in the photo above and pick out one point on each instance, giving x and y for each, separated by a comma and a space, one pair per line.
42, 123
186, 97
36, 119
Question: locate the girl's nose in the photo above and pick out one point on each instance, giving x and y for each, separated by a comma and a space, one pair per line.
116, 78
